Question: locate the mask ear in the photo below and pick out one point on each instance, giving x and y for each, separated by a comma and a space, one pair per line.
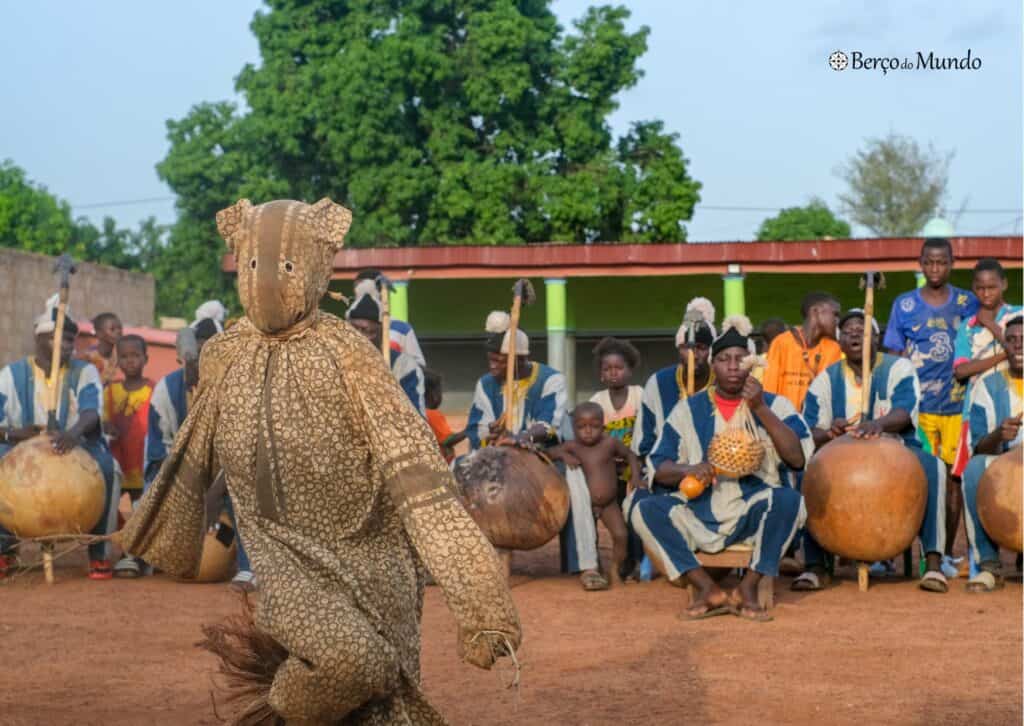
331, 222
229, 222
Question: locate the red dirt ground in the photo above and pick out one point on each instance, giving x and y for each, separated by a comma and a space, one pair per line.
121, 652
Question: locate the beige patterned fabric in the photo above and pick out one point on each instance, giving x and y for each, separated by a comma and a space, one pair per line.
338, 485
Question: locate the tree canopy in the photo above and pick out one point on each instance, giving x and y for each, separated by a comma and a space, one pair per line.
894, 185
813, 221
462, 122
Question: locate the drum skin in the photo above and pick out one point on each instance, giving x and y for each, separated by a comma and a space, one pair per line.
220, 548
43, 493
999, 500
518, 500
865, 498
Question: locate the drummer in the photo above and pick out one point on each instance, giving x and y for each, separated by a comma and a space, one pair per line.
757, 509
832, 408
364, 316
667, 387
995, 427
23, 414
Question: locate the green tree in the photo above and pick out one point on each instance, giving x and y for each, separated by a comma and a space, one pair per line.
462, 122
814, 221
32, 219
894, 185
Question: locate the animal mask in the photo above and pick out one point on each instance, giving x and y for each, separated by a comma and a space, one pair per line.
285, 255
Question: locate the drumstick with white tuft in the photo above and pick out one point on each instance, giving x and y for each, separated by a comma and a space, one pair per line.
522, 293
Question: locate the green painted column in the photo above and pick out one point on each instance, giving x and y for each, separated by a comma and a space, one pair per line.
556, 315
732, 292
399, 301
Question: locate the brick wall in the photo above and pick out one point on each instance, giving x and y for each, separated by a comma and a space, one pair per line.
27, 280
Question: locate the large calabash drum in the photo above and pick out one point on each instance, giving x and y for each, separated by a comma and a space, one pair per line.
44, 494
865, 498
999, 500
519, 501
220, 548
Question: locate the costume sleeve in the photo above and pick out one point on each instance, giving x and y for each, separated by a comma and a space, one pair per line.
818, 403
894, 338
645, 428
8, 397
168, 526
982, 418
550, 406
787, 413
776, 362
481, 415
411, 346
423, 490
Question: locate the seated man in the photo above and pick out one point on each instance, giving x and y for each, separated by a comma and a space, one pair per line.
757, 509
23, 415
995, 427
364, 316
832, 408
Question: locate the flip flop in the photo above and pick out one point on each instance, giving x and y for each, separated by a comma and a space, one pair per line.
710, 612
808, 581
594, 582
934, 581
754, 615
985, 582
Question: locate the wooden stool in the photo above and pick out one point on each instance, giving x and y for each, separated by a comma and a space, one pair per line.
737, 555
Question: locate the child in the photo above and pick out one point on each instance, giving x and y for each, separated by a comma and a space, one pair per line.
107, 329
433, 396
616, 361
596, 453
796, 357
125, 420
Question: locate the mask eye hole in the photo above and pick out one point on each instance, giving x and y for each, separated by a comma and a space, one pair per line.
288, 266
252, 264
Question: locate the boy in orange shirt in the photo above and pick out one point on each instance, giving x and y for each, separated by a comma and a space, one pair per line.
432, 396
797, 356
125, 420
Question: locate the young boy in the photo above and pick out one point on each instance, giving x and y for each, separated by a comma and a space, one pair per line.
922, 326
125, 421
796, 357
596, 454
103, 354
980, 347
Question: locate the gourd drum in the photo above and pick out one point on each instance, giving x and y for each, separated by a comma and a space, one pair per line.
999, 500
518, 500
865, 498
44, 494
220, 548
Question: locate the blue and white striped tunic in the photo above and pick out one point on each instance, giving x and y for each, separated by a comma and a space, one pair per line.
993, 401
545, 402
168, 407
23, 394
410, 377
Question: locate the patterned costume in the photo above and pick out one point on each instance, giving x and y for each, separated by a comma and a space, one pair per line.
338, 486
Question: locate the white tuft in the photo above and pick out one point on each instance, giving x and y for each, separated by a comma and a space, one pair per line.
705, 307
212, 309
366, 287
498, 322
740, 322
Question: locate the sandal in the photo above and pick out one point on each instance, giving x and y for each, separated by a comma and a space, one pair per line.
127, 567
741, 610
7, 565
934, 581
244, 581
985, 581
594, 581
708, 611
811, 580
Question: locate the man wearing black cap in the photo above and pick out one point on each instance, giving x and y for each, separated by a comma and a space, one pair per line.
364, 316
758, 508
403, 337
832, 409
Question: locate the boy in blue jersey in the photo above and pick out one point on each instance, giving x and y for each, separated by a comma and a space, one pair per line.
923, 327
833, 403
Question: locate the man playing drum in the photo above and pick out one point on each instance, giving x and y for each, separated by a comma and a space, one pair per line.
832, 409
23, 416
995, 427
756, 508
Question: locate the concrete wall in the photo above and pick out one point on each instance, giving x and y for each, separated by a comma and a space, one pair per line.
27, 280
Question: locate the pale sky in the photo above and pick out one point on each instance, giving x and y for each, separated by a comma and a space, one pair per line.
762, 117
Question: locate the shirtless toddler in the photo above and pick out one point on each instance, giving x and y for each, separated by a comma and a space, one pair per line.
598, 455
